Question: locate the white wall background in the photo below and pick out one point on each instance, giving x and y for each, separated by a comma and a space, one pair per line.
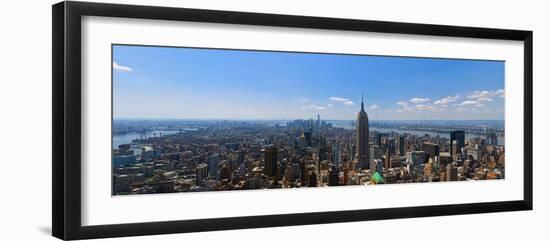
25, 102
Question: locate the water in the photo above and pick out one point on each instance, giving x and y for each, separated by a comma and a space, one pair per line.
129, 137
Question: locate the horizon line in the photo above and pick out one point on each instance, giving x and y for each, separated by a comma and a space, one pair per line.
250, 119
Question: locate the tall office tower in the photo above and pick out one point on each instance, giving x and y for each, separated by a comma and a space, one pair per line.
460, 138
387, 159
318, 119
307, 138
303, 172
454, 148
270, 154
377, 165
202, 173
390, 146
336, 155
213, 165
352, 141
352, 150
417, 158
362, 137
492, 137
378, 139
280, 163
452, 173
323, 149
312, 182
322, 140
430, 148
334, 177
401, 144
225, 172
375, 152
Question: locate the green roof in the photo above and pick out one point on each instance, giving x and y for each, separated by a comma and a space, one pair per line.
377, 178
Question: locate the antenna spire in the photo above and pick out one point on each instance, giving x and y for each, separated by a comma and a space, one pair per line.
362, 107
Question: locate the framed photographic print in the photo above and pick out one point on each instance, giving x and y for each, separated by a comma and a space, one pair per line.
170, 120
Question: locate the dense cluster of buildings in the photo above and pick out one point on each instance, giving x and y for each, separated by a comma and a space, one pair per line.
235, 155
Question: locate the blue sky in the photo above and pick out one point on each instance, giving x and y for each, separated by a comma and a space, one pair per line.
188, 83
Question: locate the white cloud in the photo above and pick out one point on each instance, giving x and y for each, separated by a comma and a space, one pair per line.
500, 93
478, 97
303, 99
474, 101
418, 100
480, 94
374, 107
330, 105
423, 107
121, 68
468, 103
313, 107
484, 99
486, 95
339, 99
404, 106
445, 101
342, 100
402, 103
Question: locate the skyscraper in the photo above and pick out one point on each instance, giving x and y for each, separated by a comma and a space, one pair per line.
401, 144
270, 154
318, 119
307, 138
312, 182
336, 155
492, 137
362, 137
334, 176
378, 139
214, 164
202, 173
459, 137
452, 173
430, 148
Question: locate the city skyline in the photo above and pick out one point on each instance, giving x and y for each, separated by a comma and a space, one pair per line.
188, 83
300, 154
307, 151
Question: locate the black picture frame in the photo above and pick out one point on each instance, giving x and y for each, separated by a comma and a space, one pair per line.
66, 158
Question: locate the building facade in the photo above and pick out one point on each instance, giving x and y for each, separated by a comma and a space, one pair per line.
362, 138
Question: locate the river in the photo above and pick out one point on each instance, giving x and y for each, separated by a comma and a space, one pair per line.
129, 137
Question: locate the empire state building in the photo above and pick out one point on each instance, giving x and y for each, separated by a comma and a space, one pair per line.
362, 137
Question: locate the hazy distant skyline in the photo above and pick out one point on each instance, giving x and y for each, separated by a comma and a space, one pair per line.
189, 83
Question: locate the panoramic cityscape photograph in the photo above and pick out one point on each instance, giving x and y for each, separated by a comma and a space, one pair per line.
199, 119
